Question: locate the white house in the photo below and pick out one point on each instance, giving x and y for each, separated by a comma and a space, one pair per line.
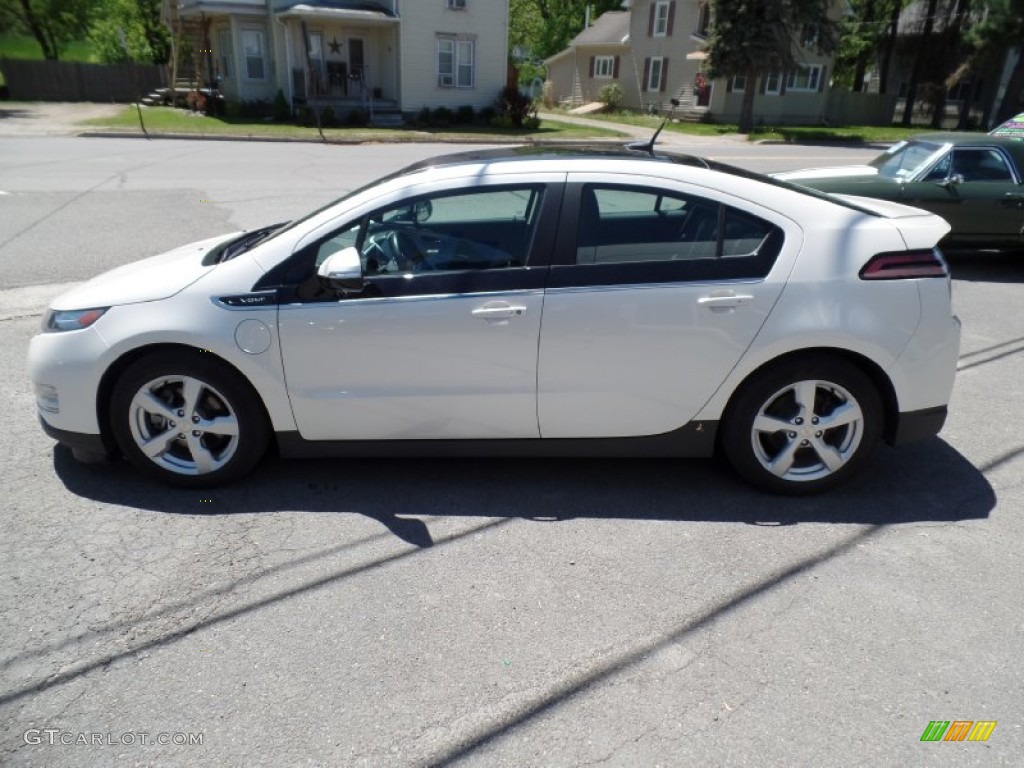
654, 51
397, 54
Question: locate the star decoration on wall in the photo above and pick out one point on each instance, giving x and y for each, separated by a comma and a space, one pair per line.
334, 45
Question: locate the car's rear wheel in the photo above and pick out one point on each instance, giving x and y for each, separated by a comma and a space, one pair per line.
188, 420
804, 426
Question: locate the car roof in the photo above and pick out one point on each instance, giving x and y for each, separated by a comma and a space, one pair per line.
966, 139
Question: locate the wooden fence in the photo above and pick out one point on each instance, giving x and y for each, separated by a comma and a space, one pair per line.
74, 81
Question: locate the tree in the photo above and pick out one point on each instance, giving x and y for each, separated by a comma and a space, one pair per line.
53, 23
1001, 29
545, 27
754, 38
131, 30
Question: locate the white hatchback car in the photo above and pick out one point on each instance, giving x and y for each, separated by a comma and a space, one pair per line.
575, 301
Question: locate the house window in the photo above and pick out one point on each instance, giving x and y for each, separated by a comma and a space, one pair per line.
661, 14
458, 5
703, 20
655, 73
604, 66
224, 55
773, 83
455, 63
739, 83
806, 77
254, 47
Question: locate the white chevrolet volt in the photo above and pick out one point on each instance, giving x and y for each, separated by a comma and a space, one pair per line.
532, 301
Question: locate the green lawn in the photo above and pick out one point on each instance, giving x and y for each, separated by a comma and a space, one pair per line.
794, 133
25, 47
167, 120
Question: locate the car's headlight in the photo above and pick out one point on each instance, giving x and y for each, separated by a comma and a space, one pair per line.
71, 319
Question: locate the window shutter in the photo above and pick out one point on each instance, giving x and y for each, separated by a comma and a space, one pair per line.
647, 72
593, 65
671, 17
664, 75
762, 86
821, 78
615, 69
650, 21
783, 76
728, 84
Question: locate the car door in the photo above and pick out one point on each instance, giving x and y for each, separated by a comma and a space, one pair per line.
975, 189
656, 293
442, 340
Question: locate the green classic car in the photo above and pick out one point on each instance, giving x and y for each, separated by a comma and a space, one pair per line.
974, 181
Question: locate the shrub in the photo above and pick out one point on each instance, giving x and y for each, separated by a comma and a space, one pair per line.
282, 112
355, 119
303, 116
611, 96
514, 105
487, 115
425, 118
465, 115
443, 116
327, 118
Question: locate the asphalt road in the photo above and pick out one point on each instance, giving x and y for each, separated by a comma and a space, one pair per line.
484, 612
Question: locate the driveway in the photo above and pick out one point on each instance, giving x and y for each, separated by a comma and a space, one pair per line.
37, 118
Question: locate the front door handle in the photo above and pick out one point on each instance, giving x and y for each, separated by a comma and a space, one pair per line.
499, 311
724, 300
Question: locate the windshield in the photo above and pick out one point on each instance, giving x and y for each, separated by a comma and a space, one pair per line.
906, 159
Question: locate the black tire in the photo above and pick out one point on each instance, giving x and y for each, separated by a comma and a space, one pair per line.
227, 430
804, 455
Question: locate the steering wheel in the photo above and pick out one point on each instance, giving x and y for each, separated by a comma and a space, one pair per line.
406, 252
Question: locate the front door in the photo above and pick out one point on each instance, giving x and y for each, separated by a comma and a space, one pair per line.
356, 63
976, 190
654, 309
442, 343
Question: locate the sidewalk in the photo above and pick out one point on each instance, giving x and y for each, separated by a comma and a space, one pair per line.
64, 119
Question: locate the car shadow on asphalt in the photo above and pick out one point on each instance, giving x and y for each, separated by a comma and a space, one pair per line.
927, 481
987, 267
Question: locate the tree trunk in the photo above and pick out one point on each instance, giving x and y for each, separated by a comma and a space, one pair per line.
1011, 99
922, 52
747, 105
45, 40
862, 60
890, 46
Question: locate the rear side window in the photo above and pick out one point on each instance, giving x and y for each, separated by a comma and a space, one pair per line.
633, 224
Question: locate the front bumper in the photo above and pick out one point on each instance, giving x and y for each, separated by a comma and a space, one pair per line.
86, 448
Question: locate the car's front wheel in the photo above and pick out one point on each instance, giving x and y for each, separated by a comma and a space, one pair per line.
803, 426
188, 420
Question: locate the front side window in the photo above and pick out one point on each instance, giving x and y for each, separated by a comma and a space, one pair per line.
254, 48
739, 83
806, 77
703, 20
481, 229
604, 66
773, 83
981, 165
634, 224
455, 63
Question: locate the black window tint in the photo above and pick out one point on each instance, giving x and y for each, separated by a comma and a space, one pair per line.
482, 229
630, 224
981, 165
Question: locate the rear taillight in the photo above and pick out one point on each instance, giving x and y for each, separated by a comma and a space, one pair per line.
903, 265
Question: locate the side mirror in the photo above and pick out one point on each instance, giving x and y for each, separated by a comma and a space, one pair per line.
954, 180
344, 268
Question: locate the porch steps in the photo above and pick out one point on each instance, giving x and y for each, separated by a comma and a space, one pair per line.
387, 119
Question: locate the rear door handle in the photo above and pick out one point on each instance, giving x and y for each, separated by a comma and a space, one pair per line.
724, 300
498, 311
